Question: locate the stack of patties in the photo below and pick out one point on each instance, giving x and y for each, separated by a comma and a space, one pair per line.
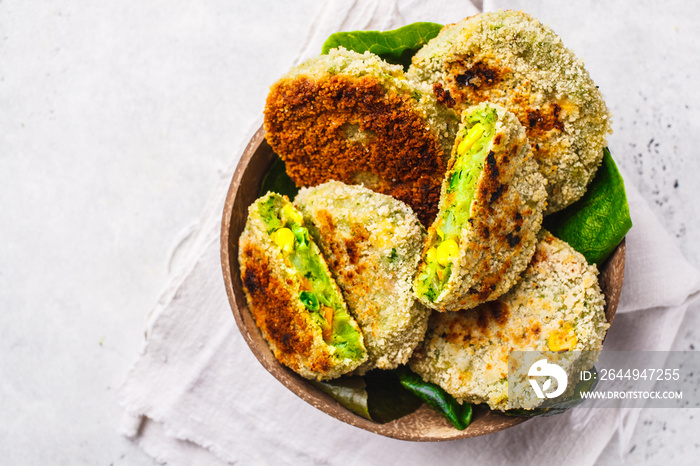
512, 59
508, 59
354, 118
344, 284
344, 307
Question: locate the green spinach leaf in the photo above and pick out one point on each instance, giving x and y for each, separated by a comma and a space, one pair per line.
387, 399
396, 46
595, 224
277, 181
377, 396
349, 391
459, 415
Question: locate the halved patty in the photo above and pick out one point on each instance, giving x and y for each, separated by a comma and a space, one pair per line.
372, 243
512, 59
556, 306
491, 207
294, 300
355, 118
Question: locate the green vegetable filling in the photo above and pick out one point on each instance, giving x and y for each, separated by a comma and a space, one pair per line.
468, 157
325, 305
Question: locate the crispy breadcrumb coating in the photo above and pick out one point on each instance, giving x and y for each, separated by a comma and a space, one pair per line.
498, 240
372, 244
557, 305
272, 287
512, 59
355, 118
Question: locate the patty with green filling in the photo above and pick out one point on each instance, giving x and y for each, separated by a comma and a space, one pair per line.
294, 300
354, 118
372, 243
512, 59
489, 214
556, 306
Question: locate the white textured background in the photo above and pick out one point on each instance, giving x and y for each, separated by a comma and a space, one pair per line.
115, 124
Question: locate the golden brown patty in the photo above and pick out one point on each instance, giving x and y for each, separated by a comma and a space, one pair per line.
356, 119
273, 287
556, 306
495, 234
372, 243
512, 59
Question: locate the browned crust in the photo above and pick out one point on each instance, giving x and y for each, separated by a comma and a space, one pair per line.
275, 310
345, 260
504, 219
307, 123
472, 83
515, 321
346, 254
472, 328
497, 217
510, 58
343, 251
443, 96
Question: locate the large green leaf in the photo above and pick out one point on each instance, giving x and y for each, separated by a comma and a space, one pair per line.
378, 396
396, 46
595, 224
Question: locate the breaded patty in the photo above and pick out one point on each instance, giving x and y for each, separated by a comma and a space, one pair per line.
491, 207
556, 306
355, 118
294, 300
512, 59
372, 243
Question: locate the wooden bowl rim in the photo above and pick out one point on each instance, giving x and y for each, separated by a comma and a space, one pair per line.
314, 396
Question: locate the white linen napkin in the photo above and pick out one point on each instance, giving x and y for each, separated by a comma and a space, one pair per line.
197, 395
